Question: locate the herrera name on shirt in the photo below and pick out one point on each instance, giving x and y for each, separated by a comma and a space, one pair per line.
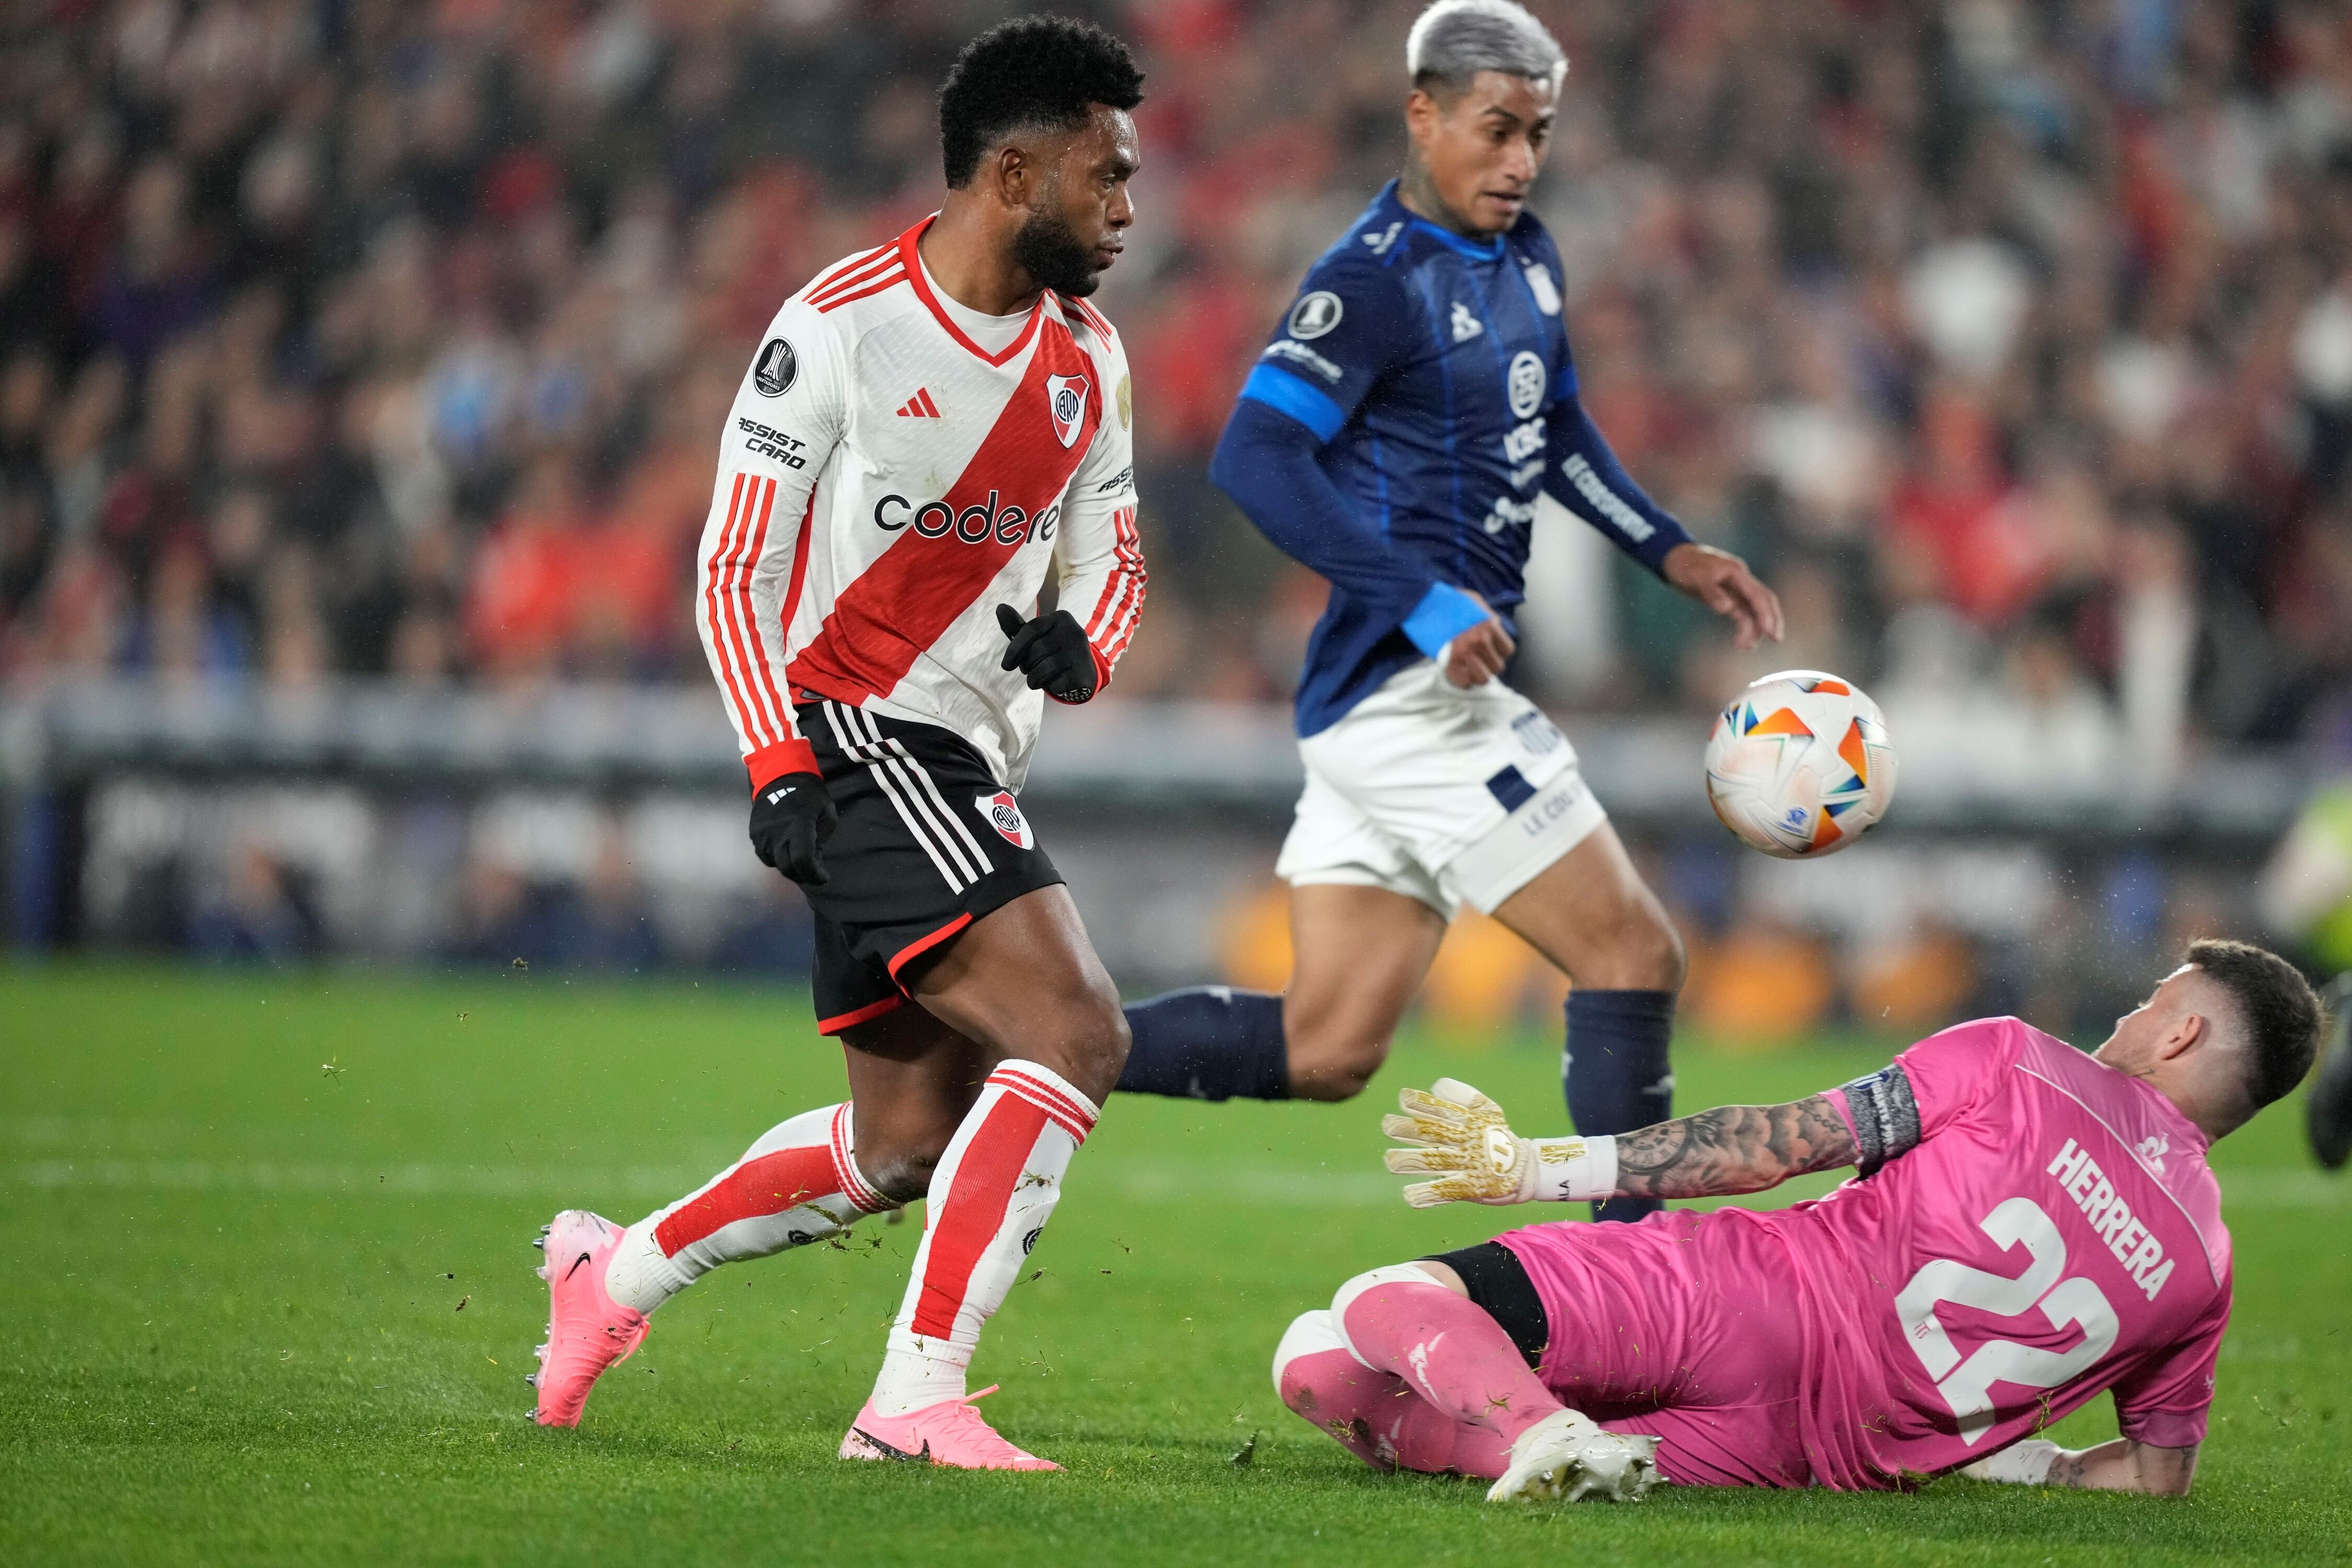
2112, 1218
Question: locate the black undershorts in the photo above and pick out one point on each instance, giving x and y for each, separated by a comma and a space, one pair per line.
1499, 1283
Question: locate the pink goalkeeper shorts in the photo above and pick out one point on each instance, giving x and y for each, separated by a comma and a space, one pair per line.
1682, 1326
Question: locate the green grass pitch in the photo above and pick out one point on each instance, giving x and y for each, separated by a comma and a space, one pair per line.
269, 1299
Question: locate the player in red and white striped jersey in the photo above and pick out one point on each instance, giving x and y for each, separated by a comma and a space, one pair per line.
931, 432
896, 466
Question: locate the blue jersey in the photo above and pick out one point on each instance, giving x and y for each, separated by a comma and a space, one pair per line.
1397, 431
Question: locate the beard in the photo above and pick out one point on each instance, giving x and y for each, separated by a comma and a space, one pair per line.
1050, 250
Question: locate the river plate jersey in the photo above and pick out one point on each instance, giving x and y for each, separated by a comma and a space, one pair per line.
886, 479
1429, 364
2042, 1227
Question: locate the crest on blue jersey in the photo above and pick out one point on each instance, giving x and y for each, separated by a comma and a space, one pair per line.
1316, 314
1525, 382
1539, 284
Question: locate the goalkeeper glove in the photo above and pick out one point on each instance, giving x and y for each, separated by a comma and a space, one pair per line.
1051, 651
792, 817
1453, 1129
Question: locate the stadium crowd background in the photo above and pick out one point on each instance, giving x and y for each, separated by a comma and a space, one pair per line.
2012, 342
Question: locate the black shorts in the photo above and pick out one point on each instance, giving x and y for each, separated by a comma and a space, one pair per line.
928, 843
1497, 1281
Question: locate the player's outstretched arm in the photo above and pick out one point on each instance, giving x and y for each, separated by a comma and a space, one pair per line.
1733, 1149
1585, 477
1722, 582
2120, 1466
1461, 1137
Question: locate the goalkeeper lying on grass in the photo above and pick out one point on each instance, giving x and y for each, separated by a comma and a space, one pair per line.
2031, 1226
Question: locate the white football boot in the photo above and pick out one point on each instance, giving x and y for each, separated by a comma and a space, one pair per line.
1564, 1458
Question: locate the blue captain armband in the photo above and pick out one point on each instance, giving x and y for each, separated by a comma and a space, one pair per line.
1286, 394
1443, 614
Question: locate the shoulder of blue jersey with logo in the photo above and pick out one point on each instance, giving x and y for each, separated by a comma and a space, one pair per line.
1372, 238
1351, 317
1364, 271
1388, 290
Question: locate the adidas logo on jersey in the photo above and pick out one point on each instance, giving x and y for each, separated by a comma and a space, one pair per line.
920, 406
1465, 325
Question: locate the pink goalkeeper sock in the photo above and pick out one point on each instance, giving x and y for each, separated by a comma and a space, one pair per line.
1377, 1418
1444, 1347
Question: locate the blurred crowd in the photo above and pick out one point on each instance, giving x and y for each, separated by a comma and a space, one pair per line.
2014, 342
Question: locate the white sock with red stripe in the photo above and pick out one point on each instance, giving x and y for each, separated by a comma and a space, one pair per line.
798, 1184
993, 1192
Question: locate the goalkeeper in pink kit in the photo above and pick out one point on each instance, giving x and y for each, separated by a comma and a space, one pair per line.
2031, 1226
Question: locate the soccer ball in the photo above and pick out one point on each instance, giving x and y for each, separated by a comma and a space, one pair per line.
1799, 765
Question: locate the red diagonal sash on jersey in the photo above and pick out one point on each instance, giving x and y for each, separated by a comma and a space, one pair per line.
896, 608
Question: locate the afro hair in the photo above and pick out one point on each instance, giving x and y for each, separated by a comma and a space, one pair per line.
1030, 73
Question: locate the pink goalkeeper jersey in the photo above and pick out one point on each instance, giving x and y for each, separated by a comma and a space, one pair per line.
2052, 1230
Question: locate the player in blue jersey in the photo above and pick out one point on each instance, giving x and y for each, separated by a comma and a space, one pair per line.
1395, 435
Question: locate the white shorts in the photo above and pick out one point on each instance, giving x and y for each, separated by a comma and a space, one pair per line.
1443, 794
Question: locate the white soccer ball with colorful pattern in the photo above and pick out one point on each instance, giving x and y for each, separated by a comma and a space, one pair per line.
1799, 765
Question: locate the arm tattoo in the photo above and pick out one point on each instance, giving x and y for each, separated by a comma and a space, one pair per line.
1733, 1149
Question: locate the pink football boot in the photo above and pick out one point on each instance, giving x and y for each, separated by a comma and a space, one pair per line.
949, 1433
587, 1330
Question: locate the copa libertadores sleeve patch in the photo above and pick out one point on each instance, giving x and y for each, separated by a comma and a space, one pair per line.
1885, 1117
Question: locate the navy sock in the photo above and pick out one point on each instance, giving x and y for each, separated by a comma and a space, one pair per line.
1211, 1042
1616, 1073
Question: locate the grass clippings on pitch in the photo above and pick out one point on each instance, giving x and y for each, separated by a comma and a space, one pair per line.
266, 1240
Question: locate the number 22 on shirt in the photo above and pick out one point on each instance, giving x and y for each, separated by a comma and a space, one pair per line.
1967, 1384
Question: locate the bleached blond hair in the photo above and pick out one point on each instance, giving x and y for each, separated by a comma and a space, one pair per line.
1453, 41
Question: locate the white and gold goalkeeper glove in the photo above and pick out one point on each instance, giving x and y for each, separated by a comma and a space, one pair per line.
1460, 1135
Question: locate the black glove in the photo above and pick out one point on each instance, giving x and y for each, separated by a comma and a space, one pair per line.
1051, 651
792, 817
